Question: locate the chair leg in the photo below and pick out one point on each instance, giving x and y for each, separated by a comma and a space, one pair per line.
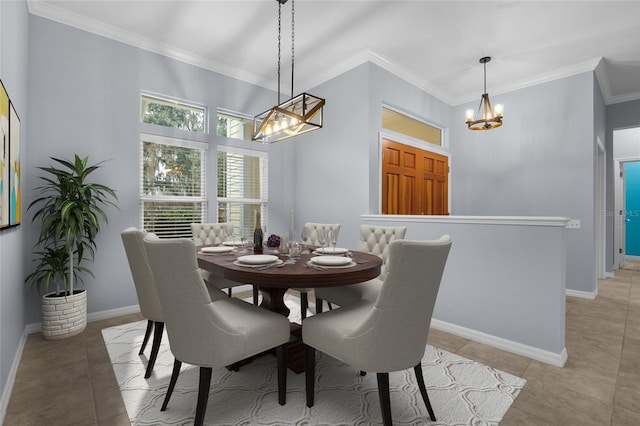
203, 395
304, 304
281, 354
172, 383
330, 306
255, 295
229, 291
423, 391
385, 400
147, 334
318, 306
157, 338
310, 372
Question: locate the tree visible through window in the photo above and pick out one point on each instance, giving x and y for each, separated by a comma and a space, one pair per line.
172, 185
242, 188
169, 113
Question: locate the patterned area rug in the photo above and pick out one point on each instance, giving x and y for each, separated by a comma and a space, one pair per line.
462, 392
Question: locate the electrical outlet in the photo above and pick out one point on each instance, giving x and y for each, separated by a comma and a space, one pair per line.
574, 224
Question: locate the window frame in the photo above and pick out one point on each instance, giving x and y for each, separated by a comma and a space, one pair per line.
173, 142
263, 201
238, 115
165, 99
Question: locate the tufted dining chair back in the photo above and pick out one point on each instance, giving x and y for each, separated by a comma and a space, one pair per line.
314, 229
376, 240
205, 234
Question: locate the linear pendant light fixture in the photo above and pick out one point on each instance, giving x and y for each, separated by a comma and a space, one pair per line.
298, 115
488, 117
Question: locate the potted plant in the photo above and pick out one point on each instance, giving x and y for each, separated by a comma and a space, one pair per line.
70, 210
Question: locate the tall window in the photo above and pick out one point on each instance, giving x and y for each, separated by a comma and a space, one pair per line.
169, 112
242, 187
172, 185
234, 125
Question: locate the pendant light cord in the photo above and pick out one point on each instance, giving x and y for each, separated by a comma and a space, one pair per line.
279, 31
485, 77
293, 3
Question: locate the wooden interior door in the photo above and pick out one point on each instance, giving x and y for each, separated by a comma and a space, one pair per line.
414, 181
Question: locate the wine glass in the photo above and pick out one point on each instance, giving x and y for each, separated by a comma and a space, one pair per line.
222, 235
243, 242
305, 234
333, 238
322, 237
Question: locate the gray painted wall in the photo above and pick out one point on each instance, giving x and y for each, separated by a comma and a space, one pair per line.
85, 99
504, 279
337, 168
539, 163
14, 39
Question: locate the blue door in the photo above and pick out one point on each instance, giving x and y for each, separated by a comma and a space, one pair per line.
632, 213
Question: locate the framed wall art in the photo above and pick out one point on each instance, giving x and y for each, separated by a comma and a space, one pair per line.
14, 166
4, 157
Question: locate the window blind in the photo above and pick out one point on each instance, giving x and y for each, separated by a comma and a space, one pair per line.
172, 185
242, 188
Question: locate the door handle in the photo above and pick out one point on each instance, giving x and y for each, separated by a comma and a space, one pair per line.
627, 220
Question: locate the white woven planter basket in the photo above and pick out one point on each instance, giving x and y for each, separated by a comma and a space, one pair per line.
64, 316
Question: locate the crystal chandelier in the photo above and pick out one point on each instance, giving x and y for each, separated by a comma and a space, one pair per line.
487, 116
298, 115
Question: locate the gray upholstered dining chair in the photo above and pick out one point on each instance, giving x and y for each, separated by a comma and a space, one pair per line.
205, 234
390, 333
209, 333
132, 239
374, 240
312, 231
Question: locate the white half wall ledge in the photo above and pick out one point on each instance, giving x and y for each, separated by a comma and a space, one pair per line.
484, 220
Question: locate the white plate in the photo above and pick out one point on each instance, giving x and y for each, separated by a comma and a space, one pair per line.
257, 259
232, 243
332, 250
331, 260
216, 249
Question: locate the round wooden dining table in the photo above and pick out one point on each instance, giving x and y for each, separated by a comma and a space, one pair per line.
274, 282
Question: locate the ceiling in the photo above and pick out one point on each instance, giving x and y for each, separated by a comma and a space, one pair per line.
435, 45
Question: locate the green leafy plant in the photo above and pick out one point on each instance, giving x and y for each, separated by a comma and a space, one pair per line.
70, 210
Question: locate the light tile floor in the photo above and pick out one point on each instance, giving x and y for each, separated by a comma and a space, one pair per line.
70, 382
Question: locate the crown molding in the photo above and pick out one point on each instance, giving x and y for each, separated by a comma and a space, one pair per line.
50, 11
603, 81
569, 71
53, 13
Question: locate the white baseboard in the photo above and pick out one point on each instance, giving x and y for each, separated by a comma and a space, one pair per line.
11, 378
555, 359
582, 294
